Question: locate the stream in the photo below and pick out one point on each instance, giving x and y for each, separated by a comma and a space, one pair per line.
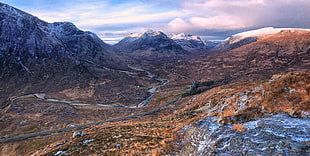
143, 103
152, 90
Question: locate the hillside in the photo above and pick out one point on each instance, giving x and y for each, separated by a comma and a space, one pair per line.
282, 52
41, 57
63, 91
248, 118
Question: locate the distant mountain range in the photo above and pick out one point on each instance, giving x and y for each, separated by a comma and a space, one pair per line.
191, 42
157, 41
248, 37
255, 55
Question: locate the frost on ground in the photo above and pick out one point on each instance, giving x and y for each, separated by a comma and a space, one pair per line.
275, 135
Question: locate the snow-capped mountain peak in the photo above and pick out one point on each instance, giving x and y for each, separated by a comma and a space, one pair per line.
188, 41
261, 32
134, 35
248, 37
150, 33
184, 36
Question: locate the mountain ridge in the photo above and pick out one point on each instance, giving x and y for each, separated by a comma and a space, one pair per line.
79, 97
39, 55
149, 44
248, 37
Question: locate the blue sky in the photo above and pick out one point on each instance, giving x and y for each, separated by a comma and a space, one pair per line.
211, 19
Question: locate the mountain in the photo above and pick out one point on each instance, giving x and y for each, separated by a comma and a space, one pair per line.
151, 43
37, 38
191, 42
63, 92
248, 37
275, 53
44, 54
188, 41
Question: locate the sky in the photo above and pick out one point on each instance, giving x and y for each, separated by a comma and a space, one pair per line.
111, 20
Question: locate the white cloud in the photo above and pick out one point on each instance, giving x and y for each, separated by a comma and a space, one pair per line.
178, 25
217, 22
128, 17
192, 16
250, 13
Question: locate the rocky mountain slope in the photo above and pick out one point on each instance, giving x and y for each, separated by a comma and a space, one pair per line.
31, 39
151, 44
36, 55
192, 43
189, 42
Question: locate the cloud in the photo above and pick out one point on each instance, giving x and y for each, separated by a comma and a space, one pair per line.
178, 25
251, 13
199, 17
217, 22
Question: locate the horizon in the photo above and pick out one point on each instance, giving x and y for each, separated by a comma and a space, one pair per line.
209, 19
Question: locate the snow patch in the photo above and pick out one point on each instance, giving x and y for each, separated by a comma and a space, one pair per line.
183, 36
261, 32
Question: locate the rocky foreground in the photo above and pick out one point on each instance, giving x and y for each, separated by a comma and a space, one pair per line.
266, 118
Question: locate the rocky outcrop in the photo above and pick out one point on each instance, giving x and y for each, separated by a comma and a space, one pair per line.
266, 118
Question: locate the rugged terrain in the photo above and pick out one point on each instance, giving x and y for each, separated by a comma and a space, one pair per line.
149, 45
239, 118
65, 92
280, 52
40, 57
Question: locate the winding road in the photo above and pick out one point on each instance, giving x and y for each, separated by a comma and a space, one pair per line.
143, 103
21, 137
152, 91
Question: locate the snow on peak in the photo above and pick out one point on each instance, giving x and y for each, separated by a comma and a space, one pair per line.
13, 12
151, 32
137, 35
183, 36
263, 32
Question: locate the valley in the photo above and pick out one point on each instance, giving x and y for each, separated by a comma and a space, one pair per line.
64, 91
